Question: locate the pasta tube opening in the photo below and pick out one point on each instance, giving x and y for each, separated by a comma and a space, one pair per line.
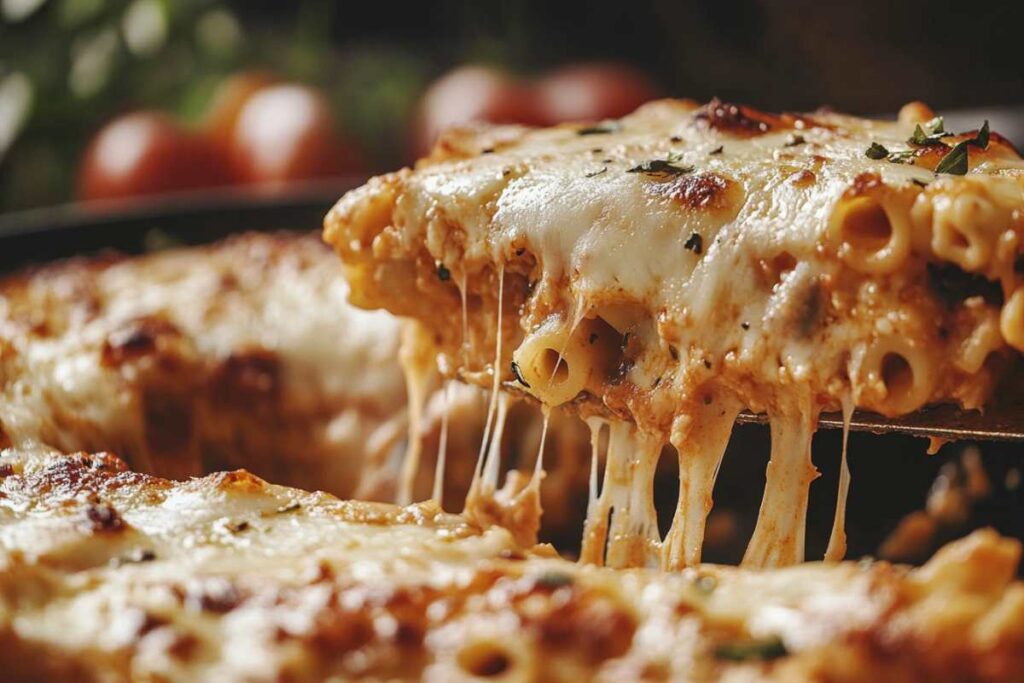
873, 233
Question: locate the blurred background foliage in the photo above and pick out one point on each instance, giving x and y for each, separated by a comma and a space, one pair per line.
68, 66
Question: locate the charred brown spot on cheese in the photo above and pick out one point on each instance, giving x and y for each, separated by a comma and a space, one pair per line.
737, 119
862, 184
216, 595
803, 178
695, 191
238, 481
136, 339
67, 477
103, 518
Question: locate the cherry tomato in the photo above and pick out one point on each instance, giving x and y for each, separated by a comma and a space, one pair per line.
592, 92
472, 93
145, 153
285, 133
232, 94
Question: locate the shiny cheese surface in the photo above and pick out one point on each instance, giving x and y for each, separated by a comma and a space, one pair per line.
110, 575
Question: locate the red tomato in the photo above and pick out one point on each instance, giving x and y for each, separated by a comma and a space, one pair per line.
232, 94
592, 92
147, 153
285, 133
472, 93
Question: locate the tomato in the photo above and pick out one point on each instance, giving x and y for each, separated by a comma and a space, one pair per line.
472, 93
592, 92
145, 153
232, 94
284, 133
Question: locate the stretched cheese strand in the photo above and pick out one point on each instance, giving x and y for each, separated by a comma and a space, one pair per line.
418, 367
778, 538
700, 440
595, 528
836, 550
496, 370
442, 447
577, 317
492, 460
623, 517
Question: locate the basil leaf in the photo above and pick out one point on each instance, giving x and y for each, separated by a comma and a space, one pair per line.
876, 151
955, 161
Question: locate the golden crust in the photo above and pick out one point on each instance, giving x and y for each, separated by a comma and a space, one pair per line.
111, 575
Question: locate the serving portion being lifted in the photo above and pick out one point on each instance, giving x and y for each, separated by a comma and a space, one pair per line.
663, 272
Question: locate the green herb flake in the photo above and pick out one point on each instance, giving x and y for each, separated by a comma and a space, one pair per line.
443, 274
876, 151
519, 375
603, 128
594, 174
931, 133
717, 150
955, 161
981, 139
742, 651
553, 580
695, 243
661, 167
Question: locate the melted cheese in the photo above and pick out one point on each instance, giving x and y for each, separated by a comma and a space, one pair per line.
712, 240
106, 574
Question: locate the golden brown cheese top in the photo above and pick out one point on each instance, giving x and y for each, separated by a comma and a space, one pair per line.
107, 574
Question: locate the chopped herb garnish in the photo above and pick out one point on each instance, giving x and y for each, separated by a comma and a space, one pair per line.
930, 134
290, 507
519, 375
443, 274
594, 174
603, 128
795, 140
661, 167
675, 138
981, 139
487, 150
919, 183
876, 151
694, 243
763, 649
717, 150
955, 161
